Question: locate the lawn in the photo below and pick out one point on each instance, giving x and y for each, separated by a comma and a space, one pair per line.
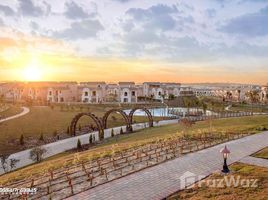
46, 120
247, 108
232, 125
262, 154
12, 110
245, 172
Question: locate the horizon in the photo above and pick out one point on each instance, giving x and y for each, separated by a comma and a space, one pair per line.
171, 41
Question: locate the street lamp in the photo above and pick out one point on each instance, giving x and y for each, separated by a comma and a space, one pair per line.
225, 152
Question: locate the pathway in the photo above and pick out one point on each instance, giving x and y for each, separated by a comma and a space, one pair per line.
25, 111
255, 161
162, 180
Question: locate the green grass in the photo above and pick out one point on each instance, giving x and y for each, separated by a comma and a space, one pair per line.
238, 169
12, 110
262, 154
232, 125
46, 120
247, 108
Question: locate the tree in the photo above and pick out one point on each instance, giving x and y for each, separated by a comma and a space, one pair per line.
239, 95
253, 96
41, 138
121, 131
90, 139
112, 132
68, 130
4, 160
204, 107
79, 145
37, 154
21, 139
55, 133
171, 96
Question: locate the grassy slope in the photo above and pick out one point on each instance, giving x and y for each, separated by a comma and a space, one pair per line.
262, 154
242, 170
12, 110
248, 108
244, 124
45, 120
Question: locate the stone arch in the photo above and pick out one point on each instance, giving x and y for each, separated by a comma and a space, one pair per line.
107, 114
93, 117
148, 113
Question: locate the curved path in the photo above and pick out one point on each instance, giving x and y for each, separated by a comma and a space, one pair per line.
25, 111
160, 181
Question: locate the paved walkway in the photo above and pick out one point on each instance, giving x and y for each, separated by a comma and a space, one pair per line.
25, 111
163, 180
255, 161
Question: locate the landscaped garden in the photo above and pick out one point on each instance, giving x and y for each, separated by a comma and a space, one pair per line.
243, 171
262, 154
51, 123
10, 110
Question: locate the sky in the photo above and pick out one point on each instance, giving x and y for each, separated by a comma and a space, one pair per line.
134, 40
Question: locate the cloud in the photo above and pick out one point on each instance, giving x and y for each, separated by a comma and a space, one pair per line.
80, 30
251, 25
27, 8
6, 10
122, 1
75, 12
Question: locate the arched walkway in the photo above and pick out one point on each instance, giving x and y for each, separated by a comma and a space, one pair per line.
148, 113
107, 114
93, 117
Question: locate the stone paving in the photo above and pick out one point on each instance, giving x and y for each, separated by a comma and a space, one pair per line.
255, 161
162, 180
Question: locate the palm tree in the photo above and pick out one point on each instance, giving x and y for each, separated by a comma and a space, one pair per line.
253, 97
204, 107
239, 95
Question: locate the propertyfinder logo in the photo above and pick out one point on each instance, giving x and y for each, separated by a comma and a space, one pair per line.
188, 179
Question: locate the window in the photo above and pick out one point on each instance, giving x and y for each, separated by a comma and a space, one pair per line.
133, 93
159, 93
61, 99
94, 93
86, 94
125, 94
125, 100
57, 92
50, 93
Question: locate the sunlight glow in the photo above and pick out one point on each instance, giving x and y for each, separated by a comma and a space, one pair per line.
33, 72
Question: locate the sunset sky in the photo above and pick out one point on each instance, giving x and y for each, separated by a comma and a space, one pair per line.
134, 40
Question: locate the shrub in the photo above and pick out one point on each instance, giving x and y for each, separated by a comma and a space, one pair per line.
68, 130
93, 138
41, 138
79, 145
55, 133
112, 132
90, 139
21, 139
37, 154
261, 128
121, 131
79, 128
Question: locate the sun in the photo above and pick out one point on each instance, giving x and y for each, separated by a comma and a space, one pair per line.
32, 73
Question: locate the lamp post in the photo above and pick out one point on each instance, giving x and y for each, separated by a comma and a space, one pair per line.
225, 152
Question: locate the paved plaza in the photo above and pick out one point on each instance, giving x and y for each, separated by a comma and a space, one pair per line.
163, 180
